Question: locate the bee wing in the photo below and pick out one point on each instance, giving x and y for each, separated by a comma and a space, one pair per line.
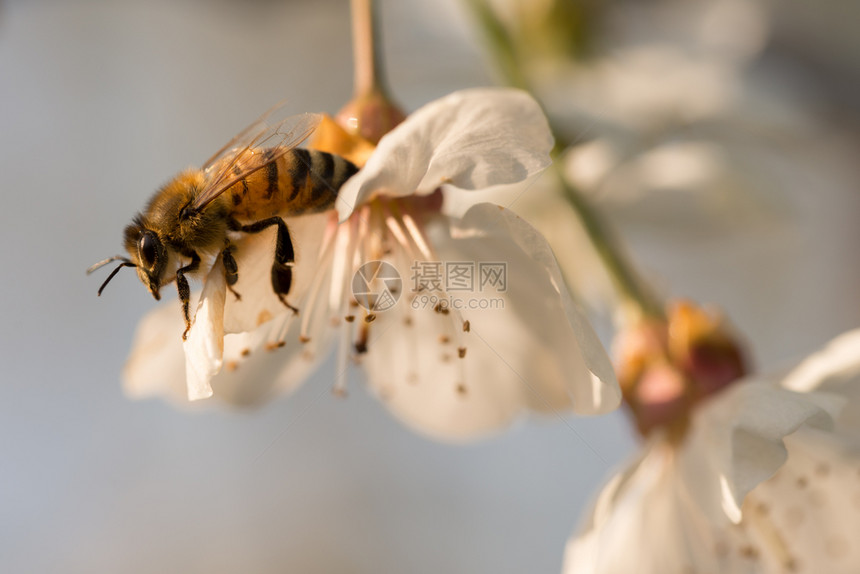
244, 154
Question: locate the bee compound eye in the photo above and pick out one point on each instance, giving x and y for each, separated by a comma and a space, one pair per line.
147, 249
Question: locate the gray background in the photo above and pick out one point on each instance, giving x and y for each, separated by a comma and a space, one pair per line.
100, 102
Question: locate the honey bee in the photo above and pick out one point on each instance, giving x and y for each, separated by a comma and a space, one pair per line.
250, 184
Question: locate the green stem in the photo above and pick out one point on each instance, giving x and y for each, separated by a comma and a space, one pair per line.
501, 44
632, 289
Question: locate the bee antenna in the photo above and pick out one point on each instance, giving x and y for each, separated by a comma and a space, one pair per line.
113, 273
101, 264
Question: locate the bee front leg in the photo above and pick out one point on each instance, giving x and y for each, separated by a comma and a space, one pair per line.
231, 270
185, 291
285, 257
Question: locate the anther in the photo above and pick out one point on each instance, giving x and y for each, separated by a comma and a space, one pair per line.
349, 318
467, 326
461, 352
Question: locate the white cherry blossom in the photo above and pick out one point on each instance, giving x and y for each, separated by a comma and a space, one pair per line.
766, 480
452, 371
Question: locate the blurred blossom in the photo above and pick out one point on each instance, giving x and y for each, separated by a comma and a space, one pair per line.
763, 478
676, 129
448, 372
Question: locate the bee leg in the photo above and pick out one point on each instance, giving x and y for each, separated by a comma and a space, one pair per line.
285, 257
185, 291
231, 270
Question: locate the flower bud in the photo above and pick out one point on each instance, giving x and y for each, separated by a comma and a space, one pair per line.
665, 367
370, 115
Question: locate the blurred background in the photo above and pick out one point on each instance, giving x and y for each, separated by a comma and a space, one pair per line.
721, 137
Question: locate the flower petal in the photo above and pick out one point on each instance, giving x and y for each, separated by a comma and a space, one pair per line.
806, 518
834, 369
156, 364
643, 523
254, 369
205, 344
649, 520
527, 348
736, 441
472, 139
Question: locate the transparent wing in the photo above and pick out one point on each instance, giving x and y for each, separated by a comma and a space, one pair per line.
252, 149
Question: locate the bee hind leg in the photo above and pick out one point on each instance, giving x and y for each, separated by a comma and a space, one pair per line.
285, 257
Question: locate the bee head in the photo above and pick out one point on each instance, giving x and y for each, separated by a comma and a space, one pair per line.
148, 255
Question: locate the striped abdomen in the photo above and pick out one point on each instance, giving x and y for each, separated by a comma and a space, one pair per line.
300, 181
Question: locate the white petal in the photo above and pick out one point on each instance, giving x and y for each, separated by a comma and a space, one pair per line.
470, 139
648, 520
156, 364
644, 523
205, 344
807, 517
254, 369
736, 441
834, 369
537, 353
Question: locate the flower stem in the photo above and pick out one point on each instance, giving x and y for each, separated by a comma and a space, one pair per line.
501, 44
371, 113
369, 76
638, 298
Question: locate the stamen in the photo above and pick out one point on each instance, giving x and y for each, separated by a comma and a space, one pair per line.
770, 536
320, 273
416, 235
340, 300
405, 227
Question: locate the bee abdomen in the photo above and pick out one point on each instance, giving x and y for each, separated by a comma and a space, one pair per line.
316, 177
